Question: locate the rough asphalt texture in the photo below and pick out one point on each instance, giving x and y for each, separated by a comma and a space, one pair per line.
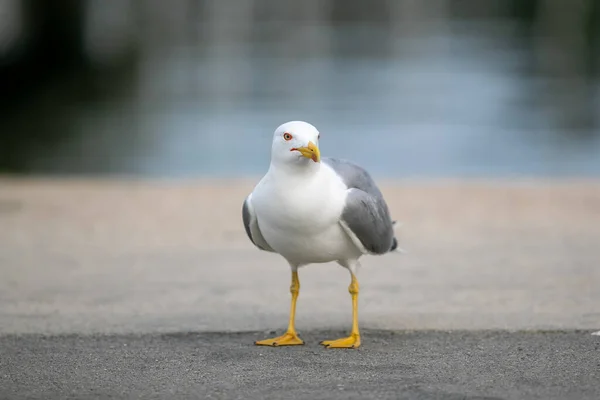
99, 278
404, 365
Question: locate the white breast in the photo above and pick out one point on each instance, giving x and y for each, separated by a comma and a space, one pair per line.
299, 217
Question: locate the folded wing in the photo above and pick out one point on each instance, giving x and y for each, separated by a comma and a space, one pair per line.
251, 226
365, 218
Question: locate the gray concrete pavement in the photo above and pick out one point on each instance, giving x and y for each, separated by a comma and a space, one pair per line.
390, 365
95, 274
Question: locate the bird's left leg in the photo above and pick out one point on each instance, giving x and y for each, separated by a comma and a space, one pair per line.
352, 341
290, 338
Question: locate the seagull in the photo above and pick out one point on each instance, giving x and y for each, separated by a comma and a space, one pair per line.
313, 210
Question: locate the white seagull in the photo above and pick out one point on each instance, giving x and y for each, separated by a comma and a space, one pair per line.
309, 210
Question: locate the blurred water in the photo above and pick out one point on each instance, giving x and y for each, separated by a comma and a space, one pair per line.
444, 96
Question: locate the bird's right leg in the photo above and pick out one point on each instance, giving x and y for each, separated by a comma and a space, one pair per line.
290, 337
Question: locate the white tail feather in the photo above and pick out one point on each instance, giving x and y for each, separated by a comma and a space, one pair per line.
398, 249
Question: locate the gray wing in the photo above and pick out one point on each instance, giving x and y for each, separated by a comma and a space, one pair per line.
251, 226
366, 214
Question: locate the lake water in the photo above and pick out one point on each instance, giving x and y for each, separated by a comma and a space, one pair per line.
451, 98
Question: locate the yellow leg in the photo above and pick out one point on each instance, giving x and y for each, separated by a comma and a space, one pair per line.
352, 341
290, 338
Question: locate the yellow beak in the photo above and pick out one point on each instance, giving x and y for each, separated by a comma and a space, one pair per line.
311, 151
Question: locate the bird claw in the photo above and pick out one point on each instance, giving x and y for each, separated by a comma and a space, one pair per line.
287, 339
350, 342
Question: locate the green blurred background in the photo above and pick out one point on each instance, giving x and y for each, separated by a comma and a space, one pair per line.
407, 88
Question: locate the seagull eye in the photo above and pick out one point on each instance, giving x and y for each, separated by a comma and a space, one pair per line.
319, 136
287, 136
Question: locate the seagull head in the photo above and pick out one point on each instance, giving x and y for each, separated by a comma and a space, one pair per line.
296, 143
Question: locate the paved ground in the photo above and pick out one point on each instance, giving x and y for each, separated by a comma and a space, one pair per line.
118, 257
404, 365
98, 280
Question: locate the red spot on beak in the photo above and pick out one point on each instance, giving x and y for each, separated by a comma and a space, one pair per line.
310, 151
